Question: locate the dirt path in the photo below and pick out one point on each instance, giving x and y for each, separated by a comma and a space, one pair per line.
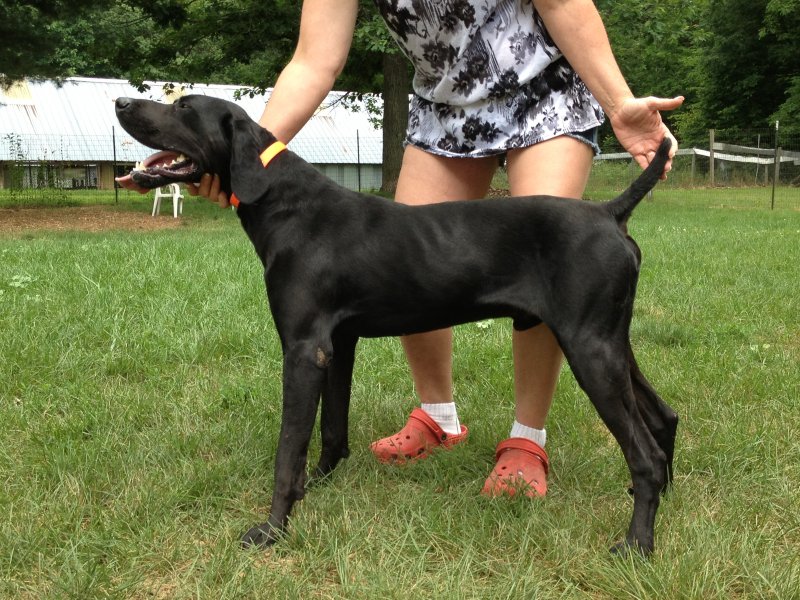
84, 218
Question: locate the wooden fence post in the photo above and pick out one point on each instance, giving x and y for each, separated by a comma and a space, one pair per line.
711, 157
777, 165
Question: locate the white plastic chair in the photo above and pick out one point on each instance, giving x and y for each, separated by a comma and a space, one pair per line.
174, 192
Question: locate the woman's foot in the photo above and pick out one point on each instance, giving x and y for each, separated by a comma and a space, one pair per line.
420, 435
521, 466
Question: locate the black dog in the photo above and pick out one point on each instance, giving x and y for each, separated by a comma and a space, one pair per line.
340, 265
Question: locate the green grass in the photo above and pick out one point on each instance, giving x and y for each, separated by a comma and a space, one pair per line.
59, 197
140, 406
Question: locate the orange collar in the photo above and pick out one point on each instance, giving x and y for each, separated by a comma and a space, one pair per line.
266, 157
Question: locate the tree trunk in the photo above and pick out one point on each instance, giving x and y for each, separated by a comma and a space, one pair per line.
396, 86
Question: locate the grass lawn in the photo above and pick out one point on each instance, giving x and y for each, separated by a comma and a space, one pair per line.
140, 407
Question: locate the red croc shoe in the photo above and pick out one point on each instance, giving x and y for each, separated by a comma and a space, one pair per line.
420, 435
521, 466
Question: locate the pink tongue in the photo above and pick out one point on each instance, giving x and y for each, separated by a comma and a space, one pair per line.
159, 158
128, 183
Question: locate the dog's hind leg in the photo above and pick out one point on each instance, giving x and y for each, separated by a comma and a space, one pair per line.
660, 418
336, 406
601, 368
304, 373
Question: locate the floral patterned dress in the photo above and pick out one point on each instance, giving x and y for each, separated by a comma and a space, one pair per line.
488, 77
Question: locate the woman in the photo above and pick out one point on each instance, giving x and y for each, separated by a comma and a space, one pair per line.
528, 80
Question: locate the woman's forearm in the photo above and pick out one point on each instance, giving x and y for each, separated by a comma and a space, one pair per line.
297, 94
578, 31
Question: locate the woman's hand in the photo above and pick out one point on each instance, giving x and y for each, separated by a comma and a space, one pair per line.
209, 188
638, 126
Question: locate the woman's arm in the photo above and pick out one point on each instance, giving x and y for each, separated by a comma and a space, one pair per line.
326, 31
578, 31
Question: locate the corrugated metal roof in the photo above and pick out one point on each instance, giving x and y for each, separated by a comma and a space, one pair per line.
43, 121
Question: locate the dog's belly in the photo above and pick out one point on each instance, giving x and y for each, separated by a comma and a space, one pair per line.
418, 320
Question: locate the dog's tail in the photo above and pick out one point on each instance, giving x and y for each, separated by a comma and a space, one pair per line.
622, 206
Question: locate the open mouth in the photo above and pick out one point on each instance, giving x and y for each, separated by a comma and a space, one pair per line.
162, 168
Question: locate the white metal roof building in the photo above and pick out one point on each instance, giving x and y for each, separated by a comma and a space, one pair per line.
75, 123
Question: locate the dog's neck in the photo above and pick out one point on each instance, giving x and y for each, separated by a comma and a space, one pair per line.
266, 157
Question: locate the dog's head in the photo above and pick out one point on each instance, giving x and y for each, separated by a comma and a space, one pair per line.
194, 135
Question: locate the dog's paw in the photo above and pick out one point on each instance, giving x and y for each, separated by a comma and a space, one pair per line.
327, 463
624, 549
318, 477
261, 536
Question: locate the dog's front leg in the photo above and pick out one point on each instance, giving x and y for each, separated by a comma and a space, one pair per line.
303, 376
336, 406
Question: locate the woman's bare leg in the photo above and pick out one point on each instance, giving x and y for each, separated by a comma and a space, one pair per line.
426, 179
557, 167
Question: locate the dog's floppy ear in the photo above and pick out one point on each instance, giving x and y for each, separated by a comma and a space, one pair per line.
248, 178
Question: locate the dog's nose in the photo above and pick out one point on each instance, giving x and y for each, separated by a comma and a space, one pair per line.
123, 103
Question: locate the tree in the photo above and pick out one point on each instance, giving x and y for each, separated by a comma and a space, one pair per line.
655, 44
396, 85
243, 42
782, 20
372, 39
751, 61
55, 39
